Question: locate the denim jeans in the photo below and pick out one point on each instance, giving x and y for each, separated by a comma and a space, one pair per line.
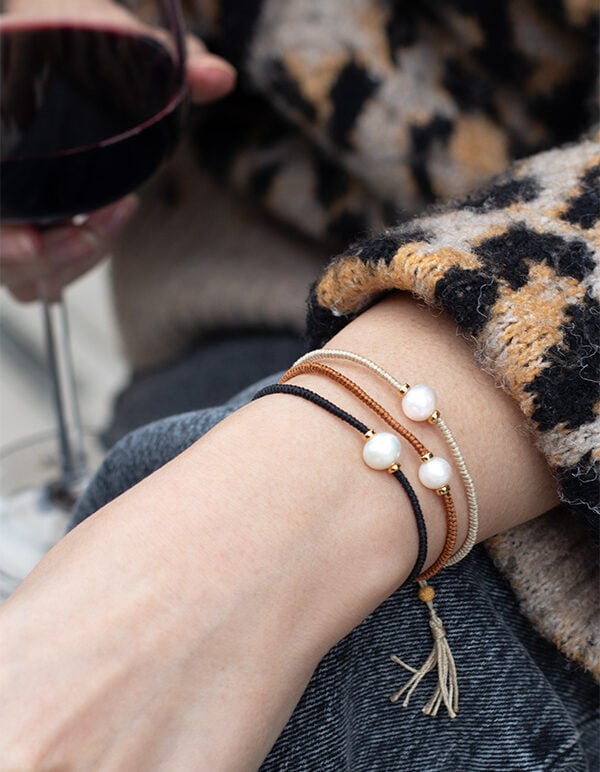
523, 706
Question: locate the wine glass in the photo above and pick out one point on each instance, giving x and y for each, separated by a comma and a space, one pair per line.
92, 101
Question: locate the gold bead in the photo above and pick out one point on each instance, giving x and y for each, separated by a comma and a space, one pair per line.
404, 388
393, 468
427, 456
426, 594
368, 435
434, 417
443, 491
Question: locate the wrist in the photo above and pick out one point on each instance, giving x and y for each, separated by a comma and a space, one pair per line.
329, 539
278, 559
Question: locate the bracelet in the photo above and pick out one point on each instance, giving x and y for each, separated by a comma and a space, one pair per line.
441, 658
426, 456
420, 406
387, 457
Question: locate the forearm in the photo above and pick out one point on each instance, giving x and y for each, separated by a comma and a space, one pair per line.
245, 559
298, 471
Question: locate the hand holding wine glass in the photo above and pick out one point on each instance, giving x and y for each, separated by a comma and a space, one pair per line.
93, 99
59, 254
56, 256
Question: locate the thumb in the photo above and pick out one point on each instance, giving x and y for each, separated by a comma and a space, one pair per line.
209, 76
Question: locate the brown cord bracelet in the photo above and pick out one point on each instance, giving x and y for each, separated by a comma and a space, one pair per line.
424, 453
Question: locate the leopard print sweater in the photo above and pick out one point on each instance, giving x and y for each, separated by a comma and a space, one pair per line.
517, 266
451, 143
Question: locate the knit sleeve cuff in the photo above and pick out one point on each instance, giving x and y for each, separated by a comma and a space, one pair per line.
518, 267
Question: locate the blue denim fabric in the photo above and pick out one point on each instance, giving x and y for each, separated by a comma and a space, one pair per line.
524, 707
212, 372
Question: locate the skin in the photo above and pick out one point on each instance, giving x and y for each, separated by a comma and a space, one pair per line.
35, 263
178, 626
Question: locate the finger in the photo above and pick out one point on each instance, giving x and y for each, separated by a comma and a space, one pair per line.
24, 293
18, 243
53, 285
66, 245
69, 243
21, 273
49, 286
59, 245
194, 46
209, 76
104, 224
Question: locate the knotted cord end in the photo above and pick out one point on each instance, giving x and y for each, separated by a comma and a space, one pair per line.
440, 658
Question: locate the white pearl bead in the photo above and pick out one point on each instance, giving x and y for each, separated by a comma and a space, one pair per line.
435, 473
382, 450
419, 402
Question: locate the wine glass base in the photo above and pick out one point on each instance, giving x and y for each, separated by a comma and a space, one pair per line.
31, 522
34, 509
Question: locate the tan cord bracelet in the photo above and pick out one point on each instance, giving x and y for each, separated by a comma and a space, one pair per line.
424, 453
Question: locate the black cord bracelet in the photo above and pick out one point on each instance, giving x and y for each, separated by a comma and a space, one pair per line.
317, 399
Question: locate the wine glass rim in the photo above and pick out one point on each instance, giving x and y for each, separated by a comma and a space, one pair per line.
178, 97
16, 23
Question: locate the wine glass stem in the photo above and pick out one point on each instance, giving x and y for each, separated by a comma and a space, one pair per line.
68, 419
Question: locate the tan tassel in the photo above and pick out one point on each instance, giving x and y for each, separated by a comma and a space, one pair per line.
441, 658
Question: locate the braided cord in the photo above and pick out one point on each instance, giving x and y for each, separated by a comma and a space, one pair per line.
449, 506
338, 412
401, 388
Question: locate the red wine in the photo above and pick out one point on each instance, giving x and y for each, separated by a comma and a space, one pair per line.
87, 115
